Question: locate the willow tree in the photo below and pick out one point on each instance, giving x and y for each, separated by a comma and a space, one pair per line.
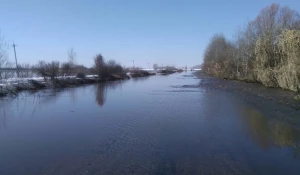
289, 72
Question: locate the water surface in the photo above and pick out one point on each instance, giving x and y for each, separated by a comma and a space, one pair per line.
154, 125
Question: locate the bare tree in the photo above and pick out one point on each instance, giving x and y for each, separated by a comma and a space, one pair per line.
25, 71
99, 66
72, 57
66, 69
50, 70
41, 69
53, 69
245, 40
113, 67
218, 55
71, 61
4, 62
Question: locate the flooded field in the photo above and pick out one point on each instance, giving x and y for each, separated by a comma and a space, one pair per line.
155, 125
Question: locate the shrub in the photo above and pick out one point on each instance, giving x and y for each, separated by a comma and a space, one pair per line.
50, 70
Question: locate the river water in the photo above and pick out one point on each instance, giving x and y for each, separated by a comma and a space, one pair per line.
154, 125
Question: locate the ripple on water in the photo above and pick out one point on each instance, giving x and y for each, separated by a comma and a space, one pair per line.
158, 125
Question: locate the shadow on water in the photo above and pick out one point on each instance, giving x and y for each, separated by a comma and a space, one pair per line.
268, 132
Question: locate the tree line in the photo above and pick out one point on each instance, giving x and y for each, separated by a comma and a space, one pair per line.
51, 70
266, 50
103, 69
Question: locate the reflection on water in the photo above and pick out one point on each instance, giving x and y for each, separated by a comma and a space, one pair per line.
153, 125
267, 131
101, 90
3, 117
31, 102
140, 79
100, 94
5, 112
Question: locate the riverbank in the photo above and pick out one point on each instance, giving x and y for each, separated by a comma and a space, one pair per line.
274, 102
14, 86
140, 73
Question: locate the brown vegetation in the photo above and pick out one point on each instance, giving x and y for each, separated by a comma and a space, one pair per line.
267, 50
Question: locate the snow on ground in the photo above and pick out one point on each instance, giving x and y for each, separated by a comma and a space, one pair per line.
148, 69
91, 76
22, 80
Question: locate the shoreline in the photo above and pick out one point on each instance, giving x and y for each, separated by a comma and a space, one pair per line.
272, 102
283, 96
13, 88
27, 84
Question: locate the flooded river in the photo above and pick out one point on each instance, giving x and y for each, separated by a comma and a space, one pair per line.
154, 125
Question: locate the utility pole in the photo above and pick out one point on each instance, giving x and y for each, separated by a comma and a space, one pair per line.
133, 63
149, 65
14, 46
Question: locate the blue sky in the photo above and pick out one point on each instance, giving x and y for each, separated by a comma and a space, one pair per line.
167, 32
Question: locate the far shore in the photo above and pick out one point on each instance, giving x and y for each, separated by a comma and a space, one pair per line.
13, 86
